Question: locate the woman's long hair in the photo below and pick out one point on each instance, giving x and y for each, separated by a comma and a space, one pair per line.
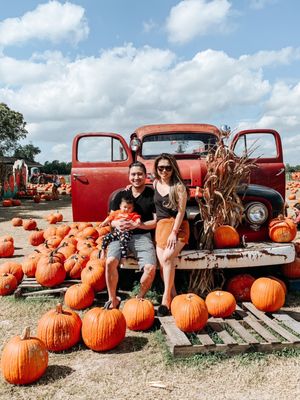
175, 180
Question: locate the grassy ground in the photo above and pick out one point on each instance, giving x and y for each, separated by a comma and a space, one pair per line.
140, 367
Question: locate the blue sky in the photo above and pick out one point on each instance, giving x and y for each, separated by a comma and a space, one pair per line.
99, 65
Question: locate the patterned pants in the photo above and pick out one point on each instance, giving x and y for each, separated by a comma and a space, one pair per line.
123, 237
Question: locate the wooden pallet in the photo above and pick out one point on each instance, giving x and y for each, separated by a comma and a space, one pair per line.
29, 287
247, 330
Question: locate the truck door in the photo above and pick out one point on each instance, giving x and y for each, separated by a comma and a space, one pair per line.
264, 146
100, 164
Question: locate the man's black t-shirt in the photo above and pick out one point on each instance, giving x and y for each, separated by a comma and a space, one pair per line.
143, 205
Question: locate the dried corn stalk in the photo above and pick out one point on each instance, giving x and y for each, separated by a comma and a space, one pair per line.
219, 205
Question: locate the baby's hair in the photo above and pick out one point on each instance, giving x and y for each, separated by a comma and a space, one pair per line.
127, 199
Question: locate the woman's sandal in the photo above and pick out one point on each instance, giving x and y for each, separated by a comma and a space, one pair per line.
163, 311
108, 304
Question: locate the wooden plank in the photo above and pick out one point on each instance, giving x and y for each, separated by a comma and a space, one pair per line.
205, 339
288, 321
241, 331
272, 324
175, 335
261, 330
216, 325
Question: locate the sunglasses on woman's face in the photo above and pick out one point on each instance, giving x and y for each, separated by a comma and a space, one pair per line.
167, 168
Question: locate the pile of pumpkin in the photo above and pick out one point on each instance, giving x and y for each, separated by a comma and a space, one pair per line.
25, 358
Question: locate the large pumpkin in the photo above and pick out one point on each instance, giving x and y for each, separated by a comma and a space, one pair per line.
267, 294
220, 303
94, 274
50, 271
14, 268
282, 229
292, 269
139, 314
226, 236
240, 285
59, 329
79, 296
24, 359
189, 311
74, 265
103, 328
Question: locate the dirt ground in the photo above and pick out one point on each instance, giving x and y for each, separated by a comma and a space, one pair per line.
139, 367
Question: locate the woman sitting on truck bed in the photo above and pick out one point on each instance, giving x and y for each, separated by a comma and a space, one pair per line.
172, 230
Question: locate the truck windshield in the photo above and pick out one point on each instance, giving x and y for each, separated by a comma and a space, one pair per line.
193, 145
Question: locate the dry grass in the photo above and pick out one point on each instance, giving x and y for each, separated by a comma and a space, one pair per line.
140, 368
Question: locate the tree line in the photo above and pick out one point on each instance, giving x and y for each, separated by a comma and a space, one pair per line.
12, 131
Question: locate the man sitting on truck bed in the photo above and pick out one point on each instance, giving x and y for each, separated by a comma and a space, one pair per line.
140, 244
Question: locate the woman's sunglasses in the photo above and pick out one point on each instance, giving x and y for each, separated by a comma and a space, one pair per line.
161, 168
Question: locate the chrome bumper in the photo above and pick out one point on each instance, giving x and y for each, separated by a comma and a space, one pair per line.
254, 255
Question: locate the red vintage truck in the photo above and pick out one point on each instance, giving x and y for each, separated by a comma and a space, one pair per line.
100, 164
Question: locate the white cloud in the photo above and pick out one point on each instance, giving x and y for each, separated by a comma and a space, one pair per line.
149, 26
260, 4
126, 87
52, 21
192, 18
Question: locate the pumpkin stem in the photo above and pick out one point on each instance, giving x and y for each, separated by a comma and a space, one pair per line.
59, 309
26, 333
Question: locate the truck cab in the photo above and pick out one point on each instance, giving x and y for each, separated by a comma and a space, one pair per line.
100, 164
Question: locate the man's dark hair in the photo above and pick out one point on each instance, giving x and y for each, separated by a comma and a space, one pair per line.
139, 165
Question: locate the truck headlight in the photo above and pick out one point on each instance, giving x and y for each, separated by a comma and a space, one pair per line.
256, 213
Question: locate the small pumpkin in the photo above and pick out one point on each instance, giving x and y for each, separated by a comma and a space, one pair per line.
226, 236
139, 314
14, 268
59, 328
282, 229
29, 224
267, 294
36, 237
24, 359
8, 284
17, 221
220, 303
103, 328
7, 248
189, 311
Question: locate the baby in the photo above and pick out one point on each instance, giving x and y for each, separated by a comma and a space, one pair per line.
124, 213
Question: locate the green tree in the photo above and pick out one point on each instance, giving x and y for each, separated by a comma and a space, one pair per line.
28, 152
61, 167
12, 129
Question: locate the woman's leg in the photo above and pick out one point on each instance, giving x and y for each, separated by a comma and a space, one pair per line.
166, 259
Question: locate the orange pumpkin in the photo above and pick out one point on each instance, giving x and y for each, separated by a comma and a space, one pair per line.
226, 236
220, 303
14, 268
17, 221
50, 271
189, 311
7, 248
36, 237
24, 359
7, 203
74, 265
282, 229
94, 274
267, 294
30, 263
59, 329
103, 328
79, 296
29, 224
8, 284
139, 314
